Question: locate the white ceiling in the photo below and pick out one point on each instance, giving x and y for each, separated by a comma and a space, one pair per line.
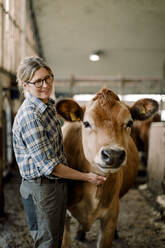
131, 33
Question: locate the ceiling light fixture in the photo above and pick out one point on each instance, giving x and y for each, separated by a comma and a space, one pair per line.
95, 55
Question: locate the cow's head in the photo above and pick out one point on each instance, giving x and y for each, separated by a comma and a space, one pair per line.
106, 126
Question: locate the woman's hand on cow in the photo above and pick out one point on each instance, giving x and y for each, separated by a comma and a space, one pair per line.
96, 179
64, 171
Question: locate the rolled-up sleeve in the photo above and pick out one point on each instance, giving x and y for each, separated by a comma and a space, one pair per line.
39, 146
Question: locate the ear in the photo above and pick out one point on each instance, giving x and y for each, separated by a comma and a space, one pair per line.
144, 109
69, 110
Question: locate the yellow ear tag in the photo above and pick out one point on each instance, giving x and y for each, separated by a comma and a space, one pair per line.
73, 116
142, 110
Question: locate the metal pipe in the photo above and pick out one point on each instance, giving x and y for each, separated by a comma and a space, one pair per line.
109, 79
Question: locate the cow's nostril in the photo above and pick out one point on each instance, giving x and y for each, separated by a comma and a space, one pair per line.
122, 155
106, 156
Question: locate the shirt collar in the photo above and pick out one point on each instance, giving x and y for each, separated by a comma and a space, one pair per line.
40, 105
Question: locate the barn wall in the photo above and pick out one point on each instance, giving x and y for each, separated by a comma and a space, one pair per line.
17, 40
16, 36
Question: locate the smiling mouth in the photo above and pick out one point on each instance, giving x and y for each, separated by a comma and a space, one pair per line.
45, 91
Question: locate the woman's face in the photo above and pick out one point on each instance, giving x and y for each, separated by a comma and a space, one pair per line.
43, 92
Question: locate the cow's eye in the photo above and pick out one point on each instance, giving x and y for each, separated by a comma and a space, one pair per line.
86, 124
129, 123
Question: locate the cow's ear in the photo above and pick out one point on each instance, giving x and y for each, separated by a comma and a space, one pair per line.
144, 109
69, 110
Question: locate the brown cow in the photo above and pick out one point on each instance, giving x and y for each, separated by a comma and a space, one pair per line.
140, 134
97, 138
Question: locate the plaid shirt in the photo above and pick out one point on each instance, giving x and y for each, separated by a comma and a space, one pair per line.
37, 138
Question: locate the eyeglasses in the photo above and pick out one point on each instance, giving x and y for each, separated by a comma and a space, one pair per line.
39, 83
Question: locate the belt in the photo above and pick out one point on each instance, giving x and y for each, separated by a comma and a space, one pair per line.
46, 180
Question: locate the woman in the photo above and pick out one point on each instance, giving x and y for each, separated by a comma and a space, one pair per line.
38, 149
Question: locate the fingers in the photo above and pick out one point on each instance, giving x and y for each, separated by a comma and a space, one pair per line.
100, 180
96, 179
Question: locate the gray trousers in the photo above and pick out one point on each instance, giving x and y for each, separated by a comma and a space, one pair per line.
45, 203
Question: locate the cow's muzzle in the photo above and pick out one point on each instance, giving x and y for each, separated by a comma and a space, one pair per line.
113, 157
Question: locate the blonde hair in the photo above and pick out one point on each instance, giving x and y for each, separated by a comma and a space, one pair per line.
27, 68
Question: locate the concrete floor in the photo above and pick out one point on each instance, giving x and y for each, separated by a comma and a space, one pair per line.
140, 224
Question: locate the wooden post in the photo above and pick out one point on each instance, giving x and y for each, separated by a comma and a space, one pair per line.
1, 159
23, 28
156, 158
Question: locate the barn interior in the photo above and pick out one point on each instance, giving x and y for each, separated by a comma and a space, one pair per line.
118, 44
